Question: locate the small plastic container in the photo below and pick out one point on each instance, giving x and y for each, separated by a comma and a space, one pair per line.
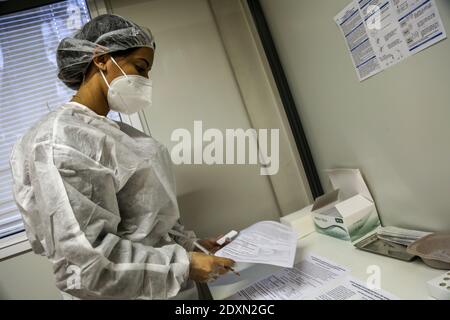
433, 249
439, 288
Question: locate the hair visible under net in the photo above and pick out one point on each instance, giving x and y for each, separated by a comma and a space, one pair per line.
104, 34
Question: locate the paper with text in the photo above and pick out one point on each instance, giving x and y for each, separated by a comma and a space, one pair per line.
265, 242
315, 278
351, 289
305, 279
381, 33
364, 58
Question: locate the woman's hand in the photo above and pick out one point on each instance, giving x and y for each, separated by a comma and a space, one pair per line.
211, 244
206, 268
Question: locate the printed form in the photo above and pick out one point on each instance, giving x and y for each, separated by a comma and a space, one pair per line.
314, 278
265, 242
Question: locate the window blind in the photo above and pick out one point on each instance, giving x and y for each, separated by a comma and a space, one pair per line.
29, 87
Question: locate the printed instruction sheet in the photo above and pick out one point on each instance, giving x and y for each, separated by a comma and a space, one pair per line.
351, 289
314, 278
381, 33
265, 242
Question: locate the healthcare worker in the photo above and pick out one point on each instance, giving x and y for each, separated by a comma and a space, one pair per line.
98, 197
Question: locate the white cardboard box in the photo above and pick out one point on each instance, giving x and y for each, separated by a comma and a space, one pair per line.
349, 212
300, 221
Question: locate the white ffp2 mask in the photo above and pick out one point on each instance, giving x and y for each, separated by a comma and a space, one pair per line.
128, 93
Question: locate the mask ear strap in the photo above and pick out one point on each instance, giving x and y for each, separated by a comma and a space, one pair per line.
104, 78
114, 60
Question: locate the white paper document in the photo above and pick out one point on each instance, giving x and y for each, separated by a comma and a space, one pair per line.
420, 23
351, 289
381, 33
364, 58
265, 242
401, 236
303, 280
314, 278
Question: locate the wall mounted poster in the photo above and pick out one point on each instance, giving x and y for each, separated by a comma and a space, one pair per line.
381, 33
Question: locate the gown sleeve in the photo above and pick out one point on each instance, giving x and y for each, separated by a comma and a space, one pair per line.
91, 258
188, 238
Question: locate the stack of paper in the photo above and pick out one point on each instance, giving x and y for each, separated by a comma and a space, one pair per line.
314, 278
400, 236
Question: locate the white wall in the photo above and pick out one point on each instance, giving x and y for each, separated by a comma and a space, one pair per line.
394, 126
193, 80
27, 276
262, 99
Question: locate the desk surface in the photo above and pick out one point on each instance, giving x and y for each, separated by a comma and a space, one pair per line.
407, 280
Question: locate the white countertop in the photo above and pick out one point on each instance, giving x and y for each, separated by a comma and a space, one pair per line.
406, 280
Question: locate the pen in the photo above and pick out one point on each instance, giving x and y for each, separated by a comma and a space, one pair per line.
232, 270
206, 251
202, 248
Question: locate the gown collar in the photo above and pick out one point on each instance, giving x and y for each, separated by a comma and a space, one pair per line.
92, 113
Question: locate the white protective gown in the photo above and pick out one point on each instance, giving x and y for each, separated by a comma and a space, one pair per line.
98, 199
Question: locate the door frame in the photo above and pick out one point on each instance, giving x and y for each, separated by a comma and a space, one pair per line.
286, 96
